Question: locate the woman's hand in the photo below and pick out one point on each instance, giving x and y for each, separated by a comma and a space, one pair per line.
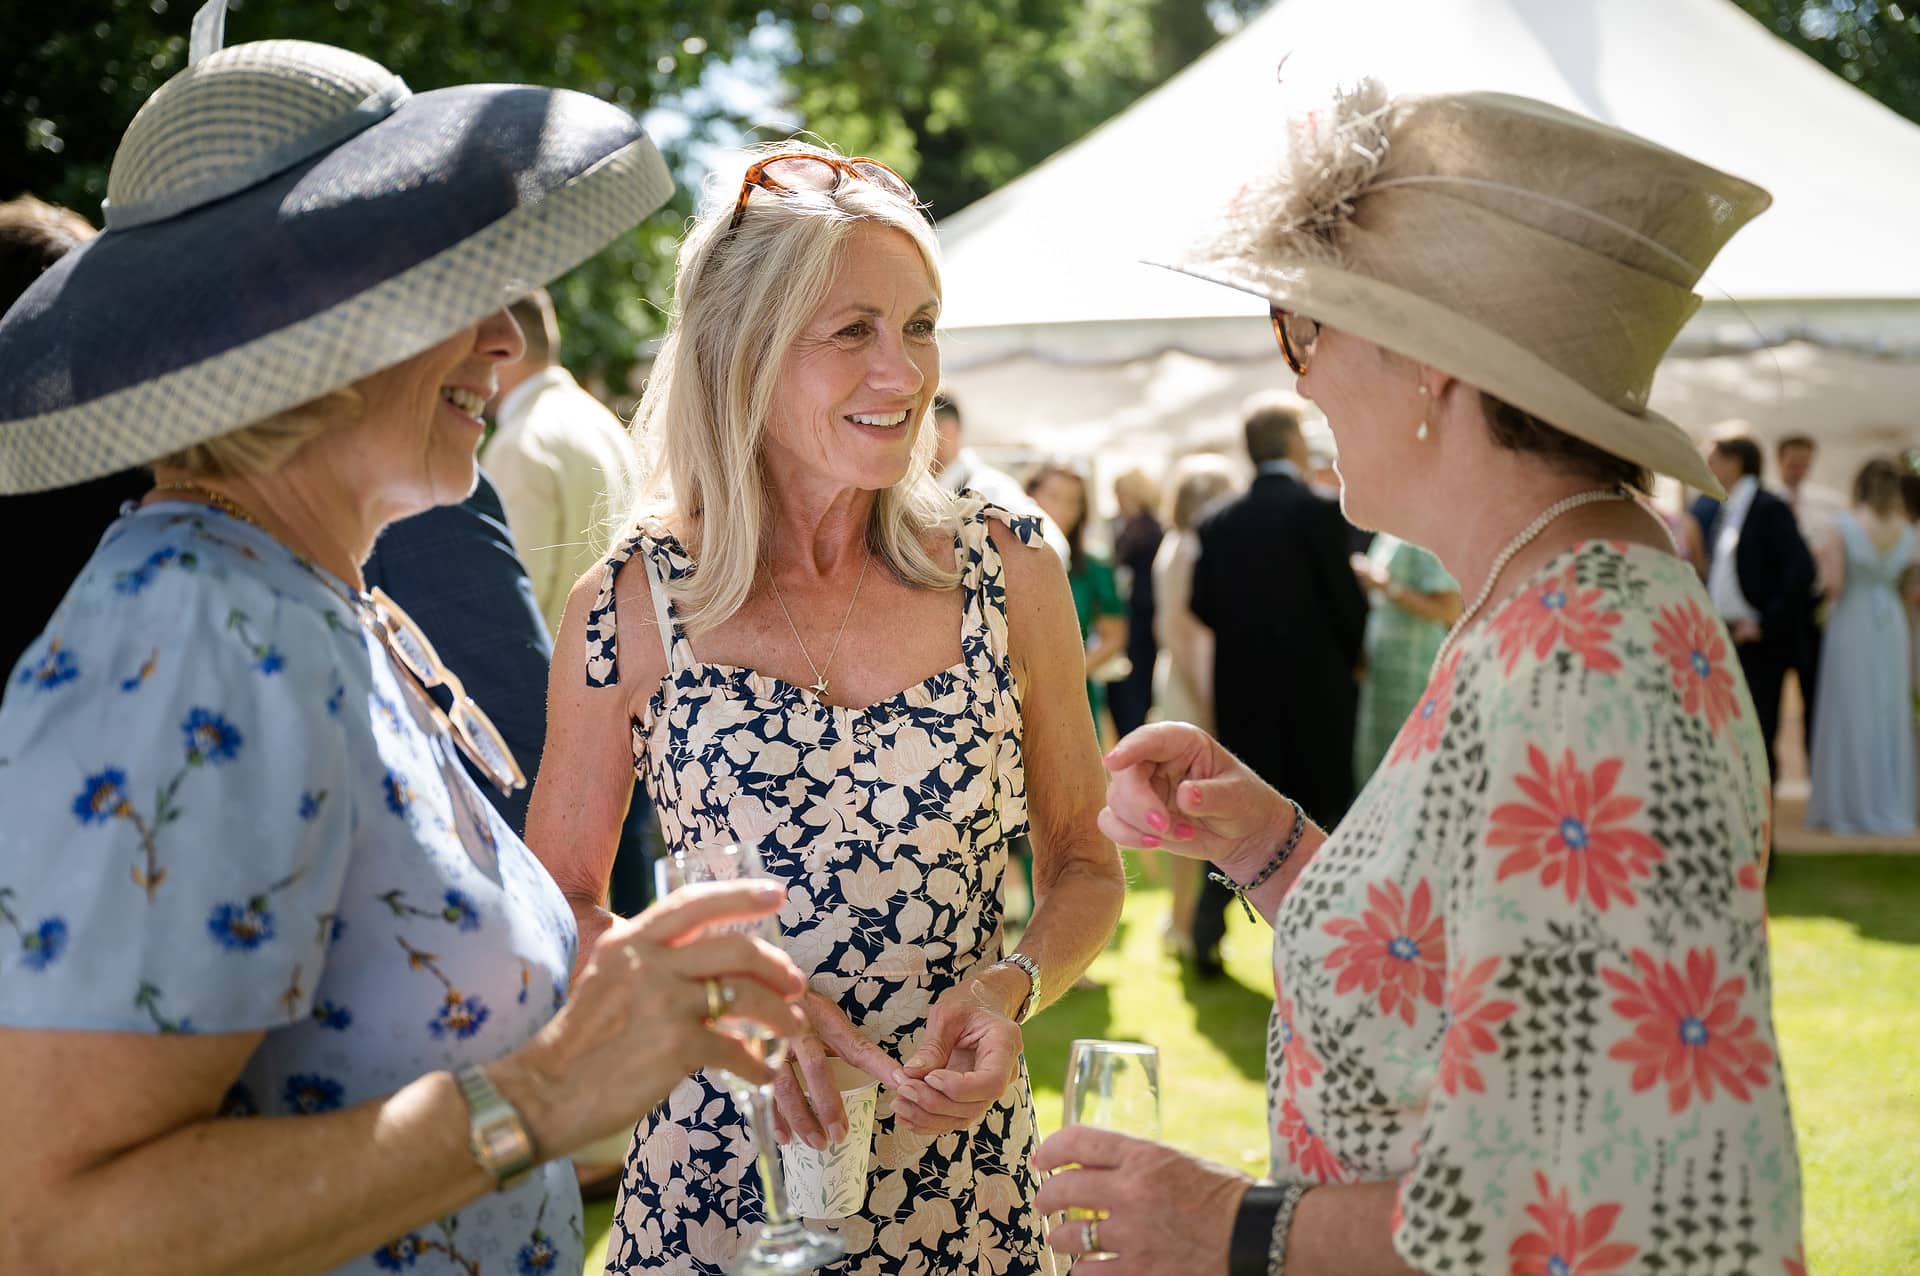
636, 1021
1175, 788
1162, 1210
806, 1096
968, 1056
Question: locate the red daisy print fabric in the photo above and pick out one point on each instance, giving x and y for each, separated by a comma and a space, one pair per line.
1574, 829
1691, 1030
1557, 612
1696, 649
1526, 979
1396, 949
1569, 1241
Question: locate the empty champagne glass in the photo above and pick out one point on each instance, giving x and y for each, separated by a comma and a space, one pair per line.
1114, 1085
784, 1245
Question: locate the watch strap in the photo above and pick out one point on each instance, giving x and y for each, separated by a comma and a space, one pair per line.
1031, 968
496, 1134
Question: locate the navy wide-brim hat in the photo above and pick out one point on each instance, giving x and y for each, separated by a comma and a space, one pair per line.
285, 218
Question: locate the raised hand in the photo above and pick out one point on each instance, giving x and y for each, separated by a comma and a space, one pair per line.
1174, 788
968, 1056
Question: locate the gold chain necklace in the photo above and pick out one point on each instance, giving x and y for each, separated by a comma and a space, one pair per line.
227, 505
819, 687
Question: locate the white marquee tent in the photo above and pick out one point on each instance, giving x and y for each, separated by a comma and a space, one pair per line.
1059, 341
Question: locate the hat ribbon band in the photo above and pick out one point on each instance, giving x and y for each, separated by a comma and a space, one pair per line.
232, 181
1566, 206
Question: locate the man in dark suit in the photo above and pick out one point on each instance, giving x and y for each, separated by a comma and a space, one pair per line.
1759, 574
1274, 584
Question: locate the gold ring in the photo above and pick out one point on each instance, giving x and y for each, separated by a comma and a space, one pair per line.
719, 998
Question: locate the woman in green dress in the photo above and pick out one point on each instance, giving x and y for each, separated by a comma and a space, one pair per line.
1413, 601
1062, 492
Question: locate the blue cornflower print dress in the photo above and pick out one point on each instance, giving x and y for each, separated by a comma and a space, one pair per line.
890, 825
225, 812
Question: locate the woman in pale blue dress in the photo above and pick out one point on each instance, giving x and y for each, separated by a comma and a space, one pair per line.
1863, 767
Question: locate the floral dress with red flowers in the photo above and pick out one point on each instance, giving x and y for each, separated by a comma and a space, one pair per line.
1527, 977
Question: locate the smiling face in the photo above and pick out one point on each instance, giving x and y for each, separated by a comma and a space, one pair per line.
413, 446
856, 382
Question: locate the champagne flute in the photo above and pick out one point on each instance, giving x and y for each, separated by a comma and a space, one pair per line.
1114, 1085
784, 1245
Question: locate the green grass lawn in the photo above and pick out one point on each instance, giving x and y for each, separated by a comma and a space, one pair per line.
1846, 936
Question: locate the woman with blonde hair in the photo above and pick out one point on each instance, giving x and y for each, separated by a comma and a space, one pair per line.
1183, 670
1542, 925
279, 989
808, 647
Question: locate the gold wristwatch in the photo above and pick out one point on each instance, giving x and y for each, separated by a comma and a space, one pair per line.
496, 1135
1031, 968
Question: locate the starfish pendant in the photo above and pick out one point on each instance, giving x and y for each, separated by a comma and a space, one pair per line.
819, 688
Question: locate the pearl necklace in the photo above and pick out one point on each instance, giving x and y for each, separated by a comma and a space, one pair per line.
1514, 546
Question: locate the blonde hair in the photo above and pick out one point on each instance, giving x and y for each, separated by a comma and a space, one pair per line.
740, 298
266, 445
1198, 481
1137, 487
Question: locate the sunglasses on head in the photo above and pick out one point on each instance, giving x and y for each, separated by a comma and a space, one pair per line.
804, 171
1296, 334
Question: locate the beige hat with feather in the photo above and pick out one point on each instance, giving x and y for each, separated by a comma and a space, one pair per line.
1536, 254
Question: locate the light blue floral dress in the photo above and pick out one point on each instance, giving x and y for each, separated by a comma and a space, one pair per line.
890, 825
225, 813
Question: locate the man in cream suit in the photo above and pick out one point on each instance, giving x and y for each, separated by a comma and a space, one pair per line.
562, 463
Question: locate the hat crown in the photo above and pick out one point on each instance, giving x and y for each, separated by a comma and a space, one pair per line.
1593, 186
238, 117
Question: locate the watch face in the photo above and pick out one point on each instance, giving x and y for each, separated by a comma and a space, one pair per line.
502, 1143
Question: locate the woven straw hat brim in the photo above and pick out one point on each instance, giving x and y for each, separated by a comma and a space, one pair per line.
1420, 329
152, 339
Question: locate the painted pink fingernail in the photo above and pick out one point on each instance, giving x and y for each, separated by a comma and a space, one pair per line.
1156, 821
1149, 840
1193, 795
1183, 830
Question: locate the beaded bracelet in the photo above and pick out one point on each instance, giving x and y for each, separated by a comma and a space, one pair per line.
1280, 857
1282, 1220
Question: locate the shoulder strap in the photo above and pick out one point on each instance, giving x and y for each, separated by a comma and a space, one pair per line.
663, 614
603, 646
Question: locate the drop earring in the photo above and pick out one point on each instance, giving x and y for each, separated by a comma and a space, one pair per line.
1425, 431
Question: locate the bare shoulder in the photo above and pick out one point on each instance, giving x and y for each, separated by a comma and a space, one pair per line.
1032, 565
615, 633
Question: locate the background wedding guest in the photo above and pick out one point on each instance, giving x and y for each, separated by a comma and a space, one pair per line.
1136, 540
1183, 671
312, 970
561, 461
1274, 584
1411, 601
807, 645
1061, 490
63, 525
1814, 509
1496, 938
1863, 766
958, 468
1760, 574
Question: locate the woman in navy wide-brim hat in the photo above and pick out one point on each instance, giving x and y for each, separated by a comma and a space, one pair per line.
242, 871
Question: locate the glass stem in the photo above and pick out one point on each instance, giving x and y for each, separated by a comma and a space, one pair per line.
773, 1177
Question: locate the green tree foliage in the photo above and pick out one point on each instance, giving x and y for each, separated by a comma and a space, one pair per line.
1874, 45
960, 95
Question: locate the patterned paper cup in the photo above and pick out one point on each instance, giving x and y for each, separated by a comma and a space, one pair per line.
833, 1183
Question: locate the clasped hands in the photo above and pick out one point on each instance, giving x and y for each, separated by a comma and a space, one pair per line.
967, 1057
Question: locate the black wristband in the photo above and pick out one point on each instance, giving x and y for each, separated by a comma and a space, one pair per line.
1253, 1229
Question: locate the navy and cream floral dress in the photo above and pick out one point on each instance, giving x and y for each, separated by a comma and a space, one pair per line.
890, 825
223, 814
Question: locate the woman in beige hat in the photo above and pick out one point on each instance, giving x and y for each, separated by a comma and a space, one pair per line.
243, 873
1522, 1014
